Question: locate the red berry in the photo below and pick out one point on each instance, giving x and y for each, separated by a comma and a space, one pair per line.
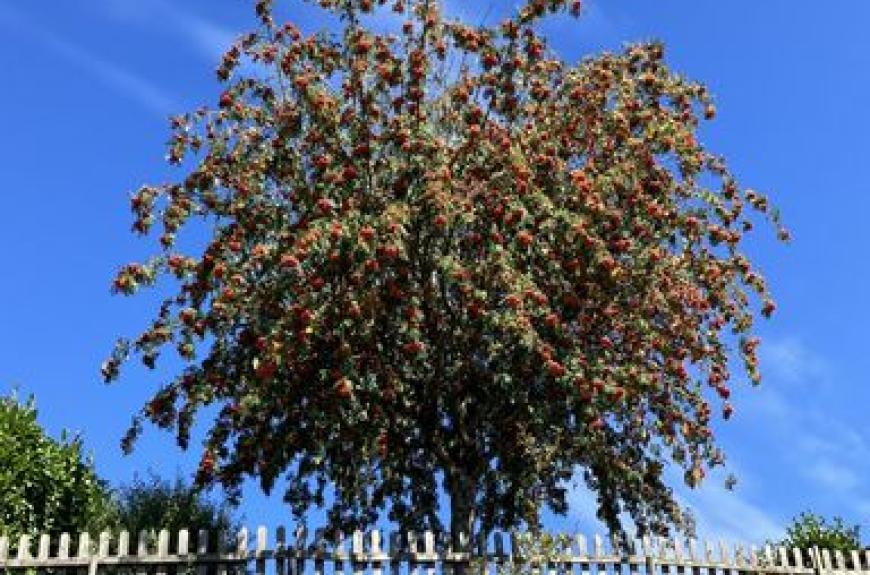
366, 233
555, 368
413, 347
525, 239
289, 261
266, 370
325, 205
344, 388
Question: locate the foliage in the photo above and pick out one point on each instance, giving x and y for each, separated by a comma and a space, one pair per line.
154, 503
809, 530
532, 551
46, 485
445, 258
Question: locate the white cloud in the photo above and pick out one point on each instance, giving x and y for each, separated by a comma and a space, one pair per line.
833, 475
790, 361
128, 83
719, 513
210, 39
728, 514
205, 36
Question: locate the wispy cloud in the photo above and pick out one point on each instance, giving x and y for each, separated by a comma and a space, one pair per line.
123, 81
833, 475
740, 515
718, 513
790, 361
732, 515
830, 454
208, 38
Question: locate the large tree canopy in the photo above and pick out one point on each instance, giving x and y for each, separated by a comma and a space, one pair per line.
445, 257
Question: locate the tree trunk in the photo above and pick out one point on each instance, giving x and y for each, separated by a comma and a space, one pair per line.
461, 491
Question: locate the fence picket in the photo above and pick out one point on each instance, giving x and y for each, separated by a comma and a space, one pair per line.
413, 552
694, 559
183, 542
679, 554
44, 543
840, 560
319, 553
377, 555
664, 546
63, 546
633, 558
240, 552
280, 550
739, 559
260, 550
84, 545
798, 557
582, 554
357, 553
498, 551
123, 544
105, 544
202, 549
395, 552
24, 547
4, 548
142, 552
300, 542
753, 557
162, 550
429, 550
725, 557
340, 555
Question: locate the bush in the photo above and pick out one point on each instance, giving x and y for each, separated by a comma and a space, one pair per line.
46, 485
153, 503
808, 531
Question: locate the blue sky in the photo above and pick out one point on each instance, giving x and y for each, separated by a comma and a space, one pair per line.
88, 85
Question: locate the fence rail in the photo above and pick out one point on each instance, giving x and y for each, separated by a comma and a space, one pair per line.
369, 553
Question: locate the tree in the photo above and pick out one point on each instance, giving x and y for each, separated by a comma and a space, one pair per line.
154, 503
809, 530
444, 258
46, 485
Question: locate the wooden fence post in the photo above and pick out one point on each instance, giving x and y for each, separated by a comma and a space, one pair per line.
649, 558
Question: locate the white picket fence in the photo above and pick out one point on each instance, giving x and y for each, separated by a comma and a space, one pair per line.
413, 554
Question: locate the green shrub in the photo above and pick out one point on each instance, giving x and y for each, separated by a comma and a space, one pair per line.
46, 485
